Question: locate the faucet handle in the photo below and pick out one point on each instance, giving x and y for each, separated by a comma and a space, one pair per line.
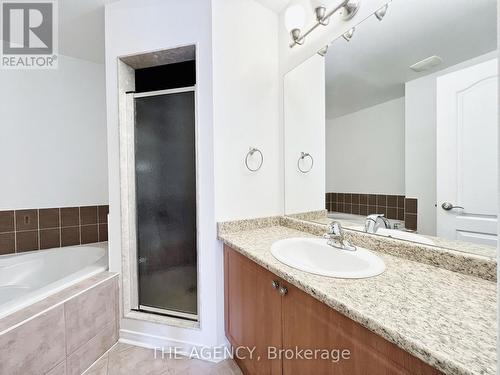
335, 228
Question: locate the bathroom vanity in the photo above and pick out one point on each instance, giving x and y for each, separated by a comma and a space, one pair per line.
414, 318
265, 311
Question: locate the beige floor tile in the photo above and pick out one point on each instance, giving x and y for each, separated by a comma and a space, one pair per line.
134, 360
227, 367
189, 367
125, 359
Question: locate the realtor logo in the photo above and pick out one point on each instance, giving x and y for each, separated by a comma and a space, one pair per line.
29, 31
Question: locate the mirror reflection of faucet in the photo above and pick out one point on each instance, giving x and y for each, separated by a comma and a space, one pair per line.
372, 223
335, 237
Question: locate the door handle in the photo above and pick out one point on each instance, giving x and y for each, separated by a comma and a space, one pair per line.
447, 206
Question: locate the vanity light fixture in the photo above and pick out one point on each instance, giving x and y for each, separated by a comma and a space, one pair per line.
380, 14
320, 11
348, 34
320, 16
323, 51
294, 21
295, 13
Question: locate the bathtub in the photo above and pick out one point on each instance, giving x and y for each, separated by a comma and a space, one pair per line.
30, 277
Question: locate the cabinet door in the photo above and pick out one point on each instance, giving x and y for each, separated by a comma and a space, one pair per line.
310, 324
252, 313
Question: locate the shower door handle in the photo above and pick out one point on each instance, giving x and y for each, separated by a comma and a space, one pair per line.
142, 260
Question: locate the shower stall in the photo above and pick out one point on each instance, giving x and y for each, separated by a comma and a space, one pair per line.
160, 138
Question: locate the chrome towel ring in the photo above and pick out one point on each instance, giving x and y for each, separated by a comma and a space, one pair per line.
250, 153
304, 155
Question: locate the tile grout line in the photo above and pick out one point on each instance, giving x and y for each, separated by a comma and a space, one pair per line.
60, 227
38, 227
80, 224
15, 233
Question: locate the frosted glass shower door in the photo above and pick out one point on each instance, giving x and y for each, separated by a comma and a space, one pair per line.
165, 180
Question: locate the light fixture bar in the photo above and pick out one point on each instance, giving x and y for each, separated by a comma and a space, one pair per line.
320, 22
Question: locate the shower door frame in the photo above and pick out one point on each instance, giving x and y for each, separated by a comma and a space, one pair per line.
129, 215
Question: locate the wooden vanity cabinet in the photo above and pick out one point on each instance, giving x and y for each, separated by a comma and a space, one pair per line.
258, 314
252, 313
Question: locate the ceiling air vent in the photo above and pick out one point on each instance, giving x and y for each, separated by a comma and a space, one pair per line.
426, 64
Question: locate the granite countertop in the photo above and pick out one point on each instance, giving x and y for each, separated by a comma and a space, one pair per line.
447, 319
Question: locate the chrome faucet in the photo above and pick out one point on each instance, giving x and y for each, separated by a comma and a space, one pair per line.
335, 237
372, 224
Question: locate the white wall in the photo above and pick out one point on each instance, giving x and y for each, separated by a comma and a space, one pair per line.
132, 27
365, 150
246, 109
420, 143
53, 142
304, 115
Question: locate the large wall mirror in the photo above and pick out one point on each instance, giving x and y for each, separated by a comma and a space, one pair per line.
393, 129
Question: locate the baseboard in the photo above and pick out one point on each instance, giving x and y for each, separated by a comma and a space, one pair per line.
184, 348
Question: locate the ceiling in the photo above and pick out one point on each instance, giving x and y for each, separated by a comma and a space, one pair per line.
373, 67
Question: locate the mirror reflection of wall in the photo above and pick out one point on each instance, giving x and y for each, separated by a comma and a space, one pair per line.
411, 124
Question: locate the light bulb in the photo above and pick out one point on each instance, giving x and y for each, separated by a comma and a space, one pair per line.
295, 17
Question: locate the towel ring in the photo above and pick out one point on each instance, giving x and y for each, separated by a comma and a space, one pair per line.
252, 151
304, 155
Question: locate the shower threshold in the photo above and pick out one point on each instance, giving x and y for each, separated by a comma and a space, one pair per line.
171, 313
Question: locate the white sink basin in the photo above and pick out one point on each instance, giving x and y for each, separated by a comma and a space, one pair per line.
315, 256
408, 236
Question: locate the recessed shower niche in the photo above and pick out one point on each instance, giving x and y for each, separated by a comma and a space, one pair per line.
158, 183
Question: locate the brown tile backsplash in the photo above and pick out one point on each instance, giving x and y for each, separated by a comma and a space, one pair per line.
26, 241
26, 220
401, 201
6, 221
401, 214
382, 200
70, 236
392, 201
410, 205
363, 199
392, 212
88, 215
89, 233
102, 214
396, 207
37, 229
103, 232
70, 216
49, 218
7, 243
50, 238
411, 221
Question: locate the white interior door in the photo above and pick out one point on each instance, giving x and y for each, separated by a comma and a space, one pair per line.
467, 154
